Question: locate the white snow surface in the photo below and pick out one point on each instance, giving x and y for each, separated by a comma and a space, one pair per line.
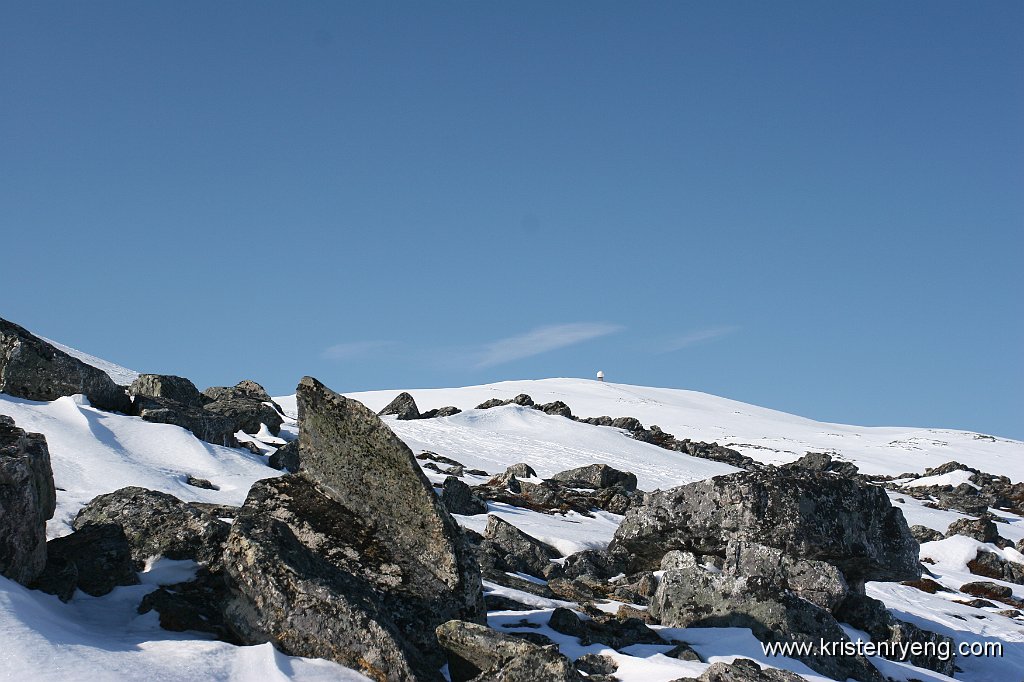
122, 376
95, 452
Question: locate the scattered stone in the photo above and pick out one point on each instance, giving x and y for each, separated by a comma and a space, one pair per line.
403, 407
200, 483
251, 447
448, 411
925, 534
157, 524
243, 390
991, 565
557, 408
247, 415
286, 457
822, 461
497, 602
925, 585
458, 498
506, 548
478, 653
101, 558
36, 370
987, 590
206, 425
596, 664
871, 616
596, 476
982, 530
27, 499
169, 387
743, 670
683, 652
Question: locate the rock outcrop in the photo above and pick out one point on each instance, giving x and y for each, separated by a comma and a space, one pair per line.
805, 514
506, 548
481, 654
596, 476
403, 407
157, 524
95, 559
354, 559
206, 425
27, 500
286, 457
34, 369
168, 387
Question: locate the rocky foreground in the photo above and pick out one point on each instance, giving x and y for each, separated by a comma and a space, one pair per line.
353, 556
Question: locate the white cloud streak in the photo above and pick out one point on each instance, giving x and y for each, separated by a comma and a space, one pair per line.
541, 340
696, 337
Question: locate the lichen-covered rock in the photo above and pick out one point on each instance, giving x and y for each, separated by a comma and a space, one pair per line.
478, 653
982, 530
871, 616
805, 514
507, 548
157, 524
822, 461
743, 670
34, 369
354, 559
818, 582
286, 457
991, 565
925, 534
206, 425
695, 597
167, 386
403, 407
27, 500
101, 558
446, 411
596, 476
247, 415
246, 389
458, 498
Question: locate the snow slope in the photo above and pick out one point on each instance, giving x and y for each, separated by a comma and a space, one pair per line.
95, 452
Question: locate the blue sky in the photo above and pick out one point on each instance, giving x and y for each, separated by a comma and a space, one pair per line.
815, 207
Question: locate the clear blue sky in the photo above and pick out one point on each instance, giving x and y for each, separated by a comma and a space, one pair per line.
815, 207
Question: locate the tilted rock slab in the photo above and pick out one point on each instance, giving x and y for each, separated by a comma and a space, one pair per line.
34, 369
805, 514
354, 559
27, 500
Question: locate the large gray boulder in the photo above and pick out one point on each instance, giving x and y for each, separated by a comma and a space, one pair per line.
506, 548
206, 425
167, 386
818, 582
157, 524
95, 559
246, 389
596, 476
34, 369
481, 654
403, 407
27, 500
805, 514
742, 670
246, 415
354, 559
693, 596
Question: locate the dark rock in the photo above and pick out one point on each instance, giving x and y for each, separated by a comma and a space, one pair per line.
220, 511
818, 582
982, 530
805, 514
251, 447
596, 664
871, 616
157, 524
497, 602
925, 534
27, 499
991, 565
521, 470
101, 556
434, 457
200, 483
513, 550
523, 400
247, 415
589, 563
492, 402
354, 559
195, 606
555, 408
986, 589
448, 411
169, 387
822, 461
631, 424
925, 585
59, 577
596, 476
683, 652
403, 406
206, 425
695, 597
286, 457
608, 630
243, 390
481, 654
36, 370
743, 670
458, 498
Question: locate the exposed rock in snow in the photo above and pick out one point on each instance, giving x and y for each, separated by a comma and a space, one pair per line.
27, 500
403, 407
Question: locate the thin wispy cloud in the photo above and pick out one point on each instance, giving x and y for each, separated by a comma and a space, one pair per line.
353, 349
699, 336
541, 340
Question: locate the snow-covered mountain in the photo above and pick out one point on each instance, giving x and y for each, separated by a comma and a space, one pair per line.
95, 452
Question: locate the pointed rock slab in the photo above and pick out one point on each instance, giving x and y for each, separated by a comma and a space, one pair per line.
403, 406
354, 559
